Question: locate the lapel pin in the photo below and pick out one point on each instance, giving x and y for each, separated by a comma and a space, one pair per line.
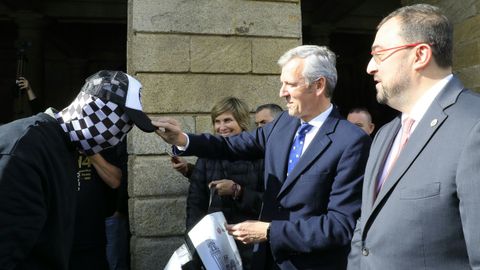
433, 123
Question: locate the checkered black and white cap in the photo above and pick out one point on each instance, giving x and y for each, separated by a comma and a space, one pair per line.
104, 112
123, 90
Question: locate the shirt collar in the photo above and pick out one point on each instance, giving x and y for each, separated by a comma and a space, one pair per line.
422, 105
320, 119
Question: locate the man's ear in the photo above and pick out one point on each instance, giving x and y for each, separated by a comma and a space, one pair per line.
371, 128
423, 56
320, 85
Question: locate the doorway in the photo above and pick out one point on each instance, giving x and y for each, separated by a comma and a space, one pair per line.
348, 28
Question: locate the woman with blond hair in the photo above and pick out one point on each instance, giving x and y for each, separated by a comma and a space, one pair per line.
236, 186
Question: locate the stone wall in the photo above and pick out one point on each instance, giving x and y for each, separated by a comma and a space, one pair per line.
188, 55
465, 16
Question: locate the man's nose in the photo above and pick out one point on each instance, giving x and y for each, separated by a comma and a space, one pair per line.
283, 92
371, 67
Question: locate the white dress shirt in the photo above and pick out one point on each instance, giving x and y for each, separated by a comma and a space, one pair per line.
317, 123
418, 111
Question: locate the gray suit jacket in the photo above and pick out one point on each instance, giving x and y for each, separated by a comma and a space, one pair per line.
427, 215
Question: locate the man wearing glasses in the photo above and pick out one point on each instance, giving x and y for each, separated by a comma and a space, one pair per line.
422, 181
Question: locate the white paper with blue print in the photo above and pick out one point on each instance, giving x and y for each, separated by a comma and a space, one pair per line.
215, 247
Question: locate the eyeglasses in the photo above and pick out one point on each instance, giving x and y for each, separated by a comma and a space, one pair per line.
377, 55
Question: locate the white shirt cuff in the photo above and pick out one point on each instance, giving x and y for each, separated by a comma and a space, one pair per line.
183, 148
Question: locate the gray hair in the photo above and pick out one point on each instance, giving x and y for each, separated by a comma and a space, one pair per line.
319, 62
426, 23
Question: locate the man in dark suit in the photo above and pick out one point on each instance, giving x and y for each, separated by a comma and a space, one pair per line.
422, 180
309, 209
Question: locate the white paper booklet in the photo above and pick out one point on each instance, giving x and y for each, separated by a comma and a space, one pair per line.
215, 247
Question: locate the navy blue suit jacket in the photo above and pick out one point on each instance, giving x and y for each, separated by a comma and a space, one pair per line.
312, 211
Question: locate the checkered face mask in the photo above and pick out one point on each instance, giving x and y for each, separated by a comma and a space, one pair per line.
93, 124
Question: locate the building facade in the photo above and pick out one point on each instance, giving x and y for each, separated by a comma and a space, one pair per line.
188, 55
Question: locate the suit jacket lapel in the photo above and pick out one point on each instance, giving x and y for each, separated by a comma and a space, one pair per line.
426, 128
316, 147
374, 171
287, 128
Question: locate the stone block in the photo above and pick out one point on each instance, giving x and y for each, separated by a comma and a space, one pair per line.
458, 11
265, 53
139, 142
153, 253
204, 124
467, 31
469, 76
159, 217
131, 216
154, 176
142, 143
159, 53
233, 17
197, 93
211, 54
466, 54
291, 1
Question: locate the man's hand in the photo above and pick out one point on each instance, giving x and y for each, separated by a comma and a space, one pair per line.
250, 231
169, 130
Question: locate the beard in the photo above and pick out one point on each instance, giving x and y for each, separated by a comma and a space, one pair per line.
391, 94
388, 93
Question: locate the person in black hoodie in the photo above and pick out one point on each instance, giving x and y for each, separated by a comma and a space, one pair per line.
38, 176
